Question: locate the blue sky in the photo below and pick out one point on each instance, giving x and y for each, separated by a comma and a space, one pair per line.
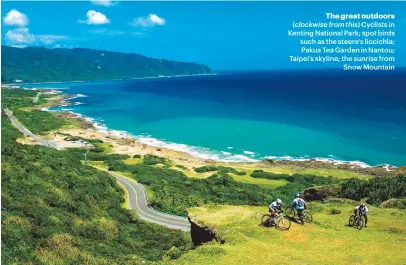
223, 35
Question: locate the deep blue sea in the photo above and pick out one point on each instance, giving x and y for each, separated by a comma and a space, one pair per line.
348, 116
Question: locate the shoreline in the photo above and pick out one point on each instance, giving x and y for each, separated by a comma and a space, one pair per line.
118, 79
183, 153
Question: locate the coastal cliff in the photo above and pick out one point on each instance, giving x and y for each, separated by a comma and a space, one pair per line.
39, 64
202, 233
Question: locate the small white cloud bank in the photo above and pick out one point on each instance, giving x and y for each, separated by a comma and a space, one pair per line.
95, 18
103, 3
150, 21
15, 18
20, 37
50, 39
105, 31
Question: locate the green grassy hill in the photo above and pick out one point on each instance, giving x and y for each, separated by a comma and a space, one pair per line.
39, 64
55, 210
328, 240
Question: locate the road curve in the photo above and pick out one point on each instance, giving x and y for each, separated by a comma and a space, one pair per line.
36, 98
25, 131
138, 201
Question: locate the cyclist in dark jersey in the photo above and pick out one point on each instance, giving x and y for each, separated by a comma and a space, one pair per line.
362, 210
299, 204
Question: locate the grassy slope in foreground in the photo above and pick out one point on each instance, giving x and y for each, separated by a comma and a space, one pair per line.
57, 211
327, 241
39, 64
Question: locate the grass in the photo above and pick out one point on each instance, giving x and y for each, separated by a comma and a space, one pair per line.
272, 184
132, 161
266, 183
106, 146
327, 241
323, 172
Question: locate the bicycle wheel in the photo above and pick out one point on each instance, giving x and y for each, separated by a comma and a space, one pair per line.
360, 223
351, 220
290, 211
284, 223
307, 217
266, 220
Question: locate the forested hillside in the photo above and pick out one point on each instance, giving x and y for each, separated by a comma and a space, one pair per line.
39, 64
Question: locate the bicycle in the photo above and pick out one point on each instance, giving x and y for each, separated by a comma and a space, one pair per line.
291, 213
280, 223
356, 220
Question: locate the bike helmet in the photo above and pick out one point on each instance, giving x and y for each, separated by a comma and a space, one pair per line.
279, 201
297, 194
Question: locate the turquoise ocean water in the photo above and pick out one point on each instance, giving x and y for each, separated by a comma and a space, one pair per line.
359, 117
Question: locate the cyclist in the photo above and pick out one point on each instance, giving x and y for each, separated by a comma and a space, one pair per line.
274, 208
362, 211
300, 205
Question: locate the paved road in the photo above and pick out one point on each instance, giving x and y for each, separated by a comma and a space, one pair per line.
138, 199
36, 98
138, 202
27, 132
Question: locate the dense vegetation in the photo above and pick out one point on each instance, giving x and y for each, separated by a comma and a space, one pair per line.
39, 64
55, 210
17, 98
221, 170
38, 122
376, 190
154, 160
175, 193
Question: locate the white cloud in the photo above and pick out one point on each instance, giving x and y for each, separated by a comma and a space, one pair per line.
19, 46
103, 2
104, 31
149, 21
20, 36
95, 18
50, 39
15, 18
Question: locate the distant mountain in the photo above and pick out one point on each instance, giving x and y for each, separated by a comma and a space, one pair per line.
39, 64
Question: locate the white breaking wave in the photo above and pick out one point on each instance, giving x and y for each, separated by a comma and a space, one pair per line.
202, 152
77, 96
321, 159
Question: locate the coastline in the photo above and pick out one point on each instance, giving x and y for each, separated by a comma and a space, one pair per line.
118, 79
123, 142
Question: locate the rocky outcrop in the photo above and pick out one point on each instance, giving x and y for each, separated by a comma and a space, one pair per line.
321, 193
202, 233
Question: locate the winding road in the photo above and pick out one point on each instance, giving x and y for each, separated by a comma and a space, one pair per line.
138, 201
27, 132
137, 195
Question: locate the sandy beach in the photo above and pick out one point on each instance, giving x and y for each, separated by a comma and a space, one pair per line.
121, 143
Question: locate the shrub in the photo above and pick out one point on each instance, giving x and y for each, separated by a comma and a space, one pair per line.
394, 203
172, 253
377, 190
97, 150
181, 167
204, 169
153, 160
334, 211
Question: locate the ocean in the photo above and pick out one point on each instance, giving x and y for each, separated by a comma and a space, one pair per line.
330, 115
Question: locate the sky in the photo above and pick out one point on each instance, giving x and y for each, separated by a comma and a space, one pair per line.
222, 35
